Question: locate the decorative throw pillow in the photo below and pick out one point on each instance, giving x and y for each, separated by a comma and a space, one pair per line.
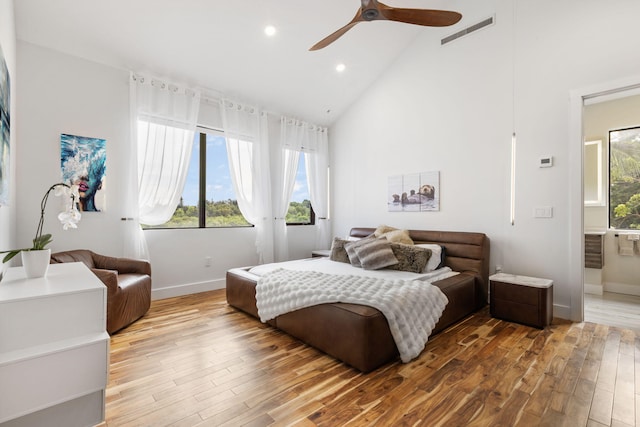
437, 256
383, 229
376, 254
410, 258
398, 236
351, 250
338, 252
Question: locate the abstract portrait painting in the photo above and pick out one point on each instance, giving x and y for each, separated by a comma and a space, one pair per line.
83, 162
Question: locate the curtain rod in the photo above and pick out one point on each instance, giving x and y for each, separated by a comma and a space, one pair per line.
214, 96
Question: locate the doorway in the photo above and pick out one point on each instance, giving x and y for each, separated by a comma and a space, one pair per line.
611, 295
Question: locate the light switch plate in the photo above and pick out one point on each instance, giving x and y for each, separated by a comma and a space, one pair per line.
543, 212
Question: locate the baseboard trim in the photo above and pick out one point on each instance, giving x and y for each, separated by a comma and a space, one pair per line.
187, 289
561, 311
622, 288
593, 289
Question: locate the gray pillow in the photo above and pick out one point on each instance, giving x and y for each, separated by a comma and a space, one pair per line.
376, 254
351, 250
410, 258
338, 252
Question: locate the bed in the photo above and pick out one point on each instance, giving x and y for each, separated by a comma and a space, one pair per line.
358, 334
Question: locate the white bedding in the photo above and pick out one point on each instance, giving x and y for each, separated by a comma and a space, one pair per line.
325, 265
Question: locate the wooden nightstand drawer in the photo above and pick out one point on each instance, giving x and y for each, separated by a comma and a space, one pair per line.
521, 299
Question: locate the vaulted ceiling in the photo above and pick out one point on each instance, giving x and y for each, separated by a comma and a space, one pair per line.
221, 45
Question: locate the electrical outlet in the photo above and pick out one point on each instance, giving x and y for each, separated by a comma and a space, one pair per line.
207, 261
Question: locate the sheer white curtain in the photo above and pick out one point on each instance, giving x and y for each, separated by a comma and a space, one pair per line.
314, 142
246, 133
317, 164
163, 122
284, 181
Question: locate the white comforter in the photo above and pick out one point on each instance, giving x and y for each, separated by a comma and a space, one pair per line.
412, 307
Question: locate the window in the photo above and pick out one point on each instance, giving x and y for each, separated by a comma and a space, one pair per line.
624, 178
300, 211
208, 185
208, 198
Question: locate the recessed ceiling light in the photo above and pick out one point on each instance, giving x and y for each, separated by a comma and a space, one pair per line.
270, 30
341, 67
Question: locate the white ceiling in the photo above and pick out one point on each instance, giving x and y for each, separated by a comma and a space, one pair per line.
220, 45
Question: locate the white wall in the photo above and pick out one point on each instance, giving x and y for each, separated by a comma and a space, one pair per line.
64, 94
452, 109
8, 45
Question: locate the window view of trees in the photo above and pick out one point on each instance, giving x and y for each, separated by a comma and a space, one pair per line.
221, 208
299, 212
226, 213
624, 178
209, 165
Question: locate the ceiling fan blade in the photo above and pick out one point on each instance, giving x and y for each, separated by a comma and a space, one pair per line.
337, 34
426, 17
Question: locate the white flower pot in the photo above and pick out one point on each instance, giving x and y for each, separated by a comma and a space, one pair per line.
36, 263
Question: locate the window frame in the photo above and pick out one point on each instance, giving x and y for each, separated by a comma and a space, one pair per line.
610, 207
202, 131
312, 214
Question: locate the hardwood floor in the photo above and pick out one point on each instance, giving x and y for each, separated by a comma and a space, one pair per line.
194, 361
613, 309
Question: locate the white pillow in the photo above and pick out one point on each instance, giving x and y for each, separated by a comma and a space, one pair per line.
436, 256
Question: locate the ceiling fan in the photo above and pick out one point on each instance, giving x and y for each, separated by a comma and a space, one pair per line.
373, 10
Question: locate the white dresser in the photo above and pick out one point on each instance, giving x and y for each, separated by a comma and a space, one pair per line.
54, 348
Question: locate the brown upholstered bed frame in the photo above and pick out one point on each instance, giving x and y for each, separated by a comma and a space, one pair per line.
359, 335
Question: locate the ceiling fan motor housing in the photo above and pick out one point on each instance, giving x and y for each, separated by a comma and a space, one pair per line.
370, 14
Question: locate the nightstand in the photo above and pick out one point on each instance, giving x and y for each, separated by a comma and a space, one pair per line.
321, 253
521, 299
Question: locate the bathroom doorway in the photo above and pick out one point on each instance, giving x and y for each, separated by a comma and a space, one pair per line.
611, 279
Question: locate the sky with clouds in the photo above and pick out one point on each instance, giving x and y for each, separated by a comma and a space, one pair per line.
219, 185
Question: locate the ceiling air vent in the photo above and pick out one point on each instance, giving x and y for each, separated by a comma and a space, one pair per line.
468, 30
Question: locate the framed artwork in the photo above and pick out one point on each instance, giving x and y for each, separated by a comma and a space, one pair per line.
5, 125
83, 162
417, 192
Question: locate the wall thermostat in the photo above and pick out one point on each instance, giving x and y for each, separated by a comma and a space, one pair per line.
546, 162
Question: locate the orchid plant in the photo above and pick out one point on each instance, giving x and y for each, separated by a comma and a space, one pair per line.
69, 218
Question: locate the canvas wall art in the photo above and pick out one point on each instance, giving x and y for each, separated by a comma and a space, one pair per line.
418, 192
83, 162
5, 125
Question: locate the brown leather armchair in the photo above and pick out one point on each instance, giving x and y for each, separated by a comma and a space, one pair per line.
128, 283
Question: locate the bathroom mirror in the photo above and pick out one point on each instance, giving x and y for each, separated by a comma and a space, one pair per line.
593, 186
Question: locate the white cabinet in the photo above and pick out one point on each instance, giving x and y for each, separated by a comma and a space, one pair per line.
54, 348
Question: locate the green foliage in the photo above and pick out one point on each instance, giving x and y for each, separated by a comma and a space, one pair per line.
299, 213
39, 243
624, 189
226, 213
621, 211
223, 213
